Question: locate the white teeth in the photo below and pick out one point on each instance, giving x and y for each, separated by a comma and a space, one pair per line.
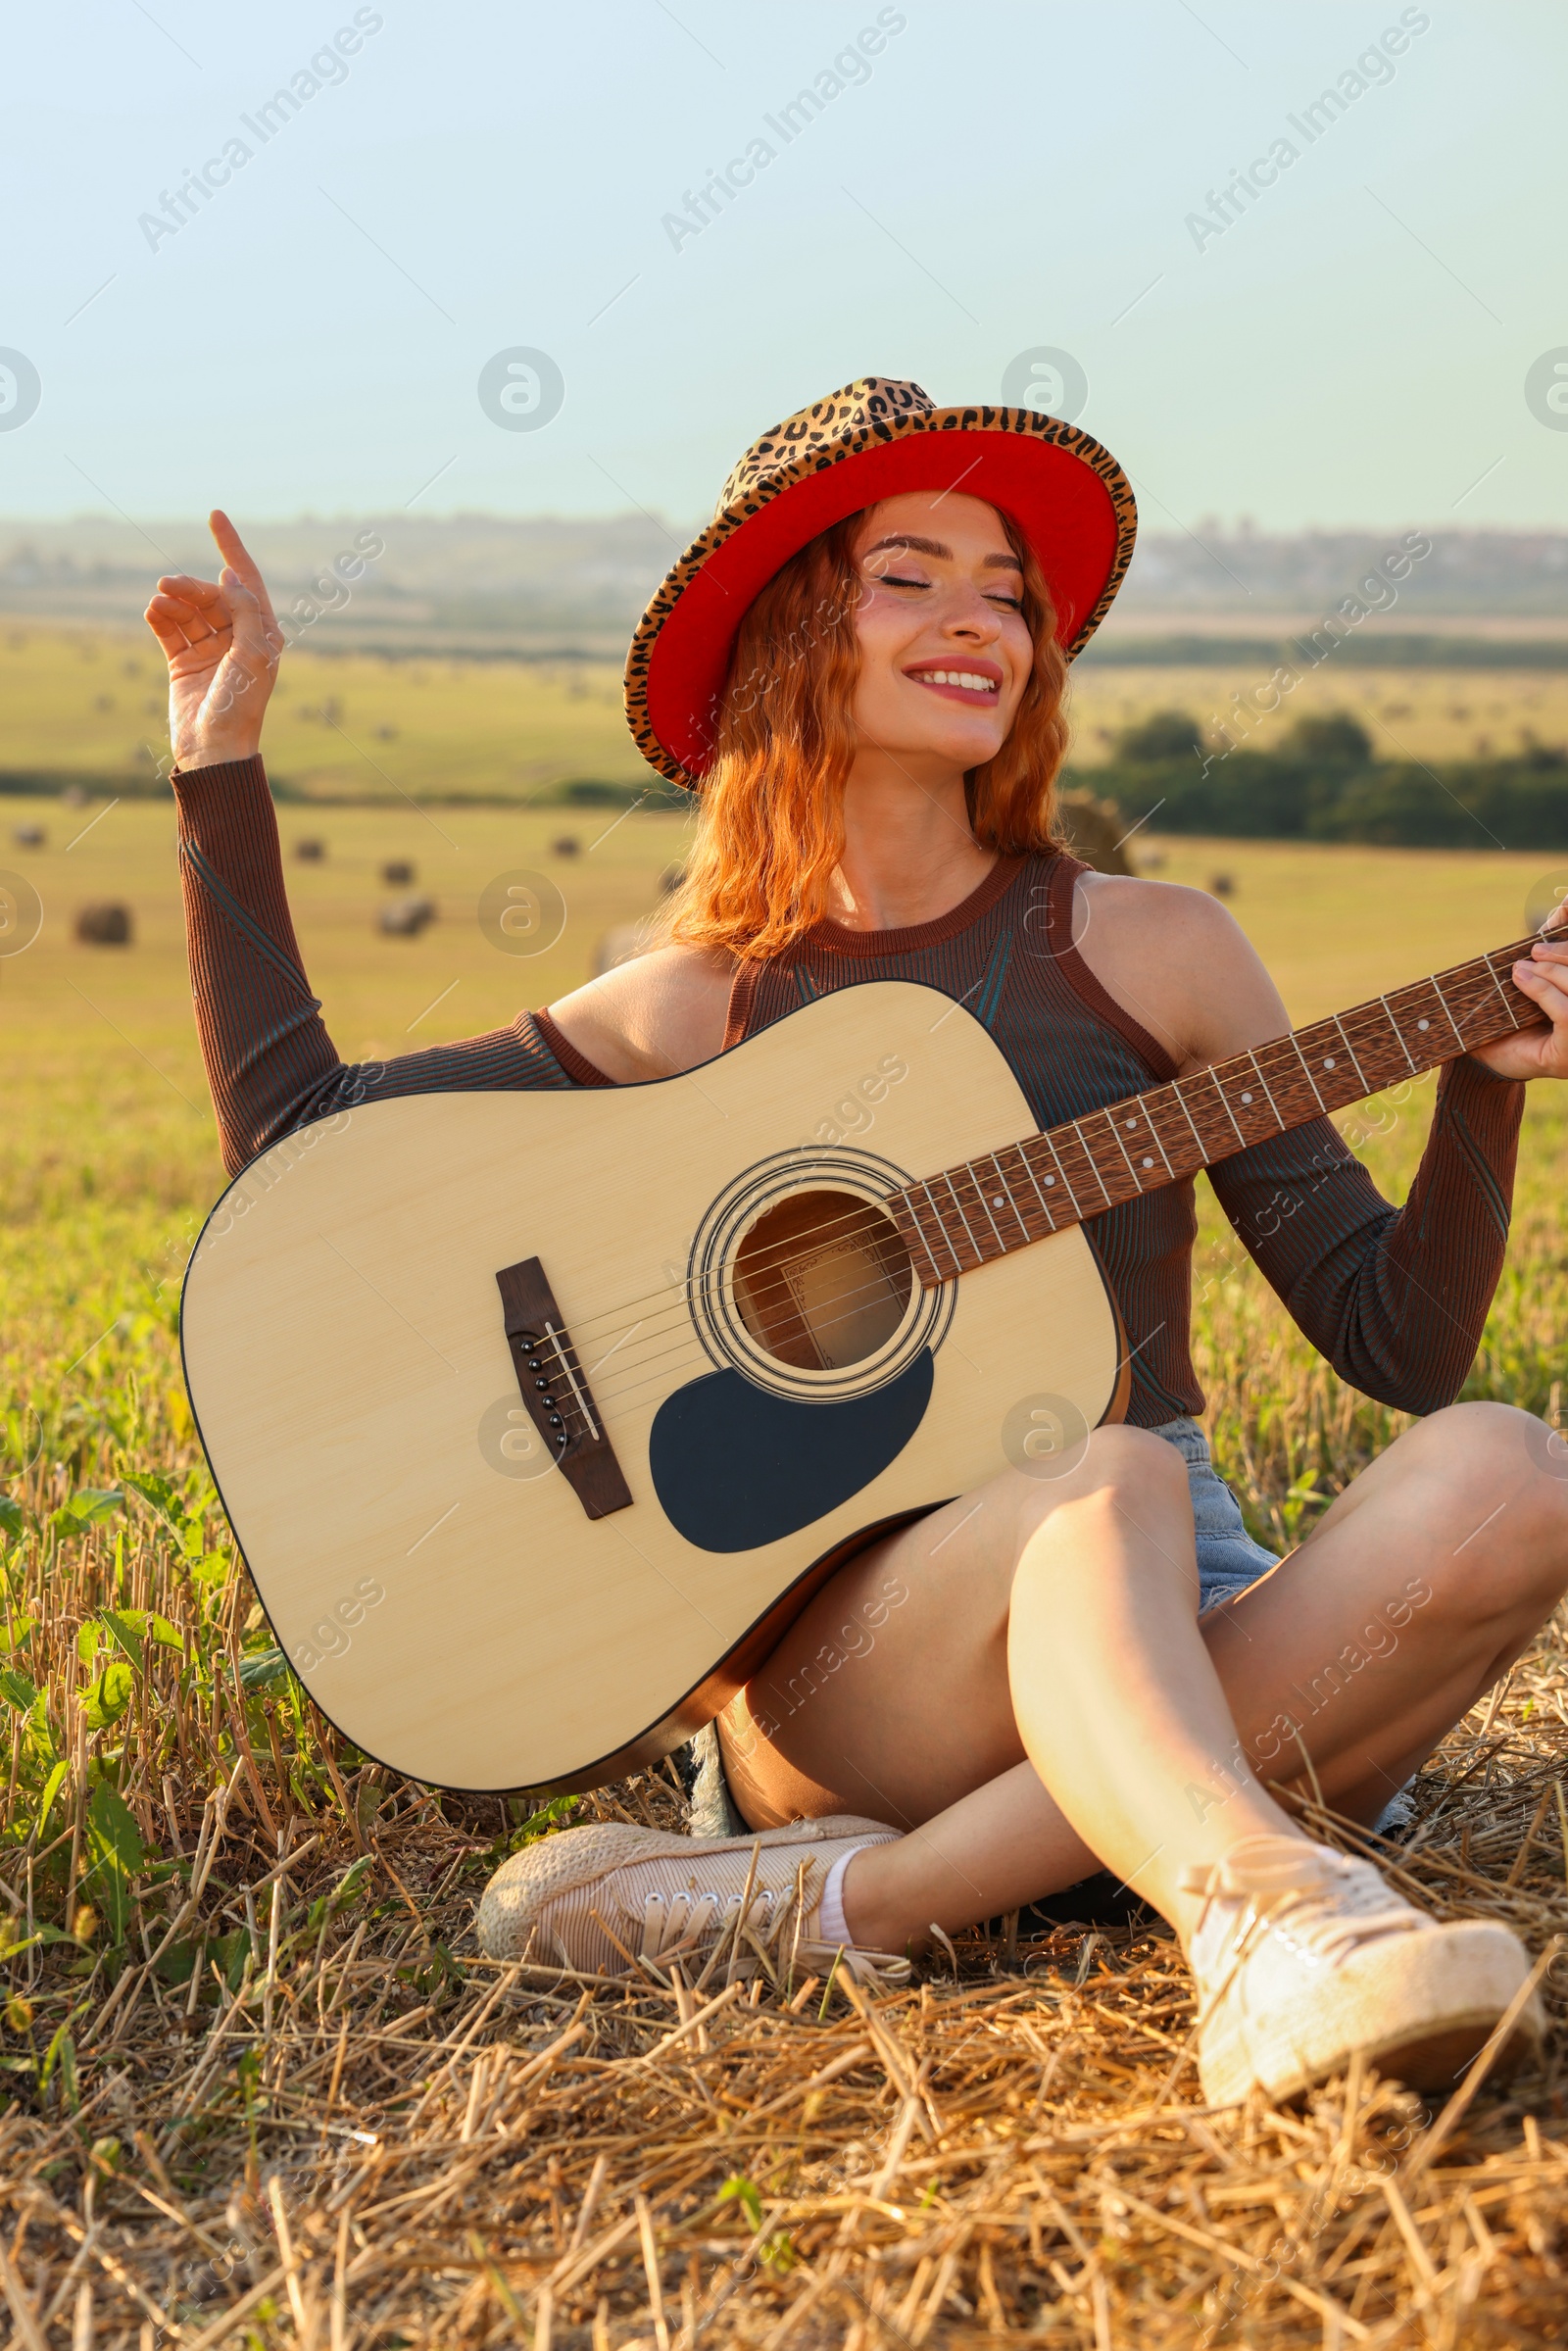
962, 678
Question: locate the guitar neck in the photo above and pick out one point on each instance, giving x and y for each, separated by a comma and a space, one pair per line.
983, 1208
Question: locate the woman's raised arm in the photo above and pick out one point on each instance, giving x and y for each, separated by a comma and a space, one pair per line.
269, 1060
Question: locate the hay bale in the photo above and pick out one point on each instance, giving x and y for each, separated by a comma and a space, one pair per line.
622, 942
397, 873
105, 925
310, 852
1095, 829
29, 836
405, 918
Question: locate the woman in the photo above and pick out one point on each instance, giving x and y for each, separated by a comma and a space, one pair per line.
861, 663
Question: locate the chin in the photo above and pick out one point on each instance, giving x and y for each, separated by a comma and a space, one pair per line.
966, 747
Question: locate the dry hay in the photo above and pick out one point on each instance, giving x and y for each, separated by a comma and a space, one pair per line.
377, 2138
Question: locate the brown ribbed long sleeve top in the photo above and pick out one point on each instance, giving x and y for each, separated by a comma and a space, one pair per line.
1396, 1300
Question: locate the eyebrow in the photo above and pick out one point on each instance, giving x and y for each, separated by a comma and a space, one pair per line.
942, 554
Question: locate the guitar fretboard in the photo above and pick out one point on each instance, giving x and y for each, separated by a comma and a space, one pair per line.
979, 1210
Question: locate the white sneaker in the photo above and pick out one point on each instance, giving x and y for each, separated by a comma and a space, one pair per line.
602, 1898
1302, 1957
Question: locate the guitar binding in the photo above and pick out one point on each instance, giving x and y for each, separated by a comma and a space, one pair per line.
554, 1390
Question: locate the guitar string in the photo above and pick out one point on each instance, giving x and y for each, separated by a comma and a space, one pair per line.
1166, 1097
1369, 1014
1369, 1025
641, 1362
1171, 1093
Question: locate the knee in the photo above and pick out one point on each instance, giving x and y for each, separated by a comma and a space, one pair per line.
1120, 1456
1497, 1477
1117, 1466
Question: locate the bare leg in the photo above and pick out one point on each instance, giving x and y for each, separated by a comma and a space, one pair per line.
1022, 1684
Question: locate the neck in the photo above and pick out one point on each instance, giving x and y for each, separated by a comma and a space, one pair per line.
908, 853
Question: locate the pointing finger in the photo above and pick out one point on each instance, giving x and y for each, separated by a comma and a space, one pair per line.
237, 558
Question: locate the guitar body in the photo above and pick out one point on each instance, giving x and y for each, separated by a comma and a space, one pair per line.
763, 1377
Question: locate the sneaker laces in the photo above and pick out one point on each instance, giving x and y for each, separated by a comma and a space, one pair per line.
1321, 1903
675, 1923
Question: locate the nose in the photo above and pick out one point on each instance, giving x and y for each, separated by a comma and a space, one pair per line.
970, 618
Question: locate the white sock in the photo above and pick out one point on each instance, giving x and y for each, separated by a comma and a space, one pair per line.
832, 1926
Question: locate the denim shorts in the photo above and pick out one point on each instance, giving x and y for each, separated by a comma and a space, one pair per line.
1228, 1559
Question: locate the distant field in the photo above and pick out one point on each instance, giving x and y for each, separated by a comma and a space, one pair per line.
340, 728
99, 1040
359, 724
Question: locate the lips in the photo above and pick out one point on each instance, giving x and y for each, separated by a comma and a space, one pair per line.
977, 683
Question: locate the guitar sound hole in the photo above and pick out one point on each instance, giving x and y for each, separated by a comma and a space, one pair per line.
823, 1279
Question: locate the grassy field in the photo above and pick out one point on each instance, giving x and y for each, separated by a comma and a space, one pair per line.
357, 725
260, 2085
341, 726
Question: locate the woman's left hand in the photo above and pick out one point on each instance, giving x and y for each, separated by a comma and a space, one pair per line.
1538, 1052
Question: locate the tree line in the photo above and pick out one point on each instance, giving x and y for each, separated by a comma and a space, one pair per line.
1323, 783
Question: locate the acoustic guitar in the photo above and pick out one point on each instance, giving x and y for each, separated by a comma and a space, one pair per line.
538, 1416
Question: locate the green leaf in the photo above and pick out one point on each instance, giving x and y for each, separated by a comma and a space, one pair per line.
89, 1640
109, 1696
13, 1518
265, 1671
51, 1788
227, 1953
747, 2194
115, 1852
88, 1508
352, 1882
19, 1634
552, 1815
63, 2052
159, 1495
22, 1692
124, 1625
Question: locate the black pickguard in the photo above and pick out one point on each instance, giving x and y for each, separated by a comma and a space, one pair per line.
735, 1467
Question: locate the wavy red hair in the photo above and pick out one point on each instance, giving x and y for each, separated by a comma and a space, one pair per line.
770, 821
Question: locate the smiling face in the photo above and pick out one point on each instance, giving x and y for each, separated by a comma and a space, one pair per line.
945, 649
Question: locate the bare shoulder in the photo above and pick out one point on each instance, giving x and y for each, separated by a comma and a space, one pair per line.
1179, 961
659, 1013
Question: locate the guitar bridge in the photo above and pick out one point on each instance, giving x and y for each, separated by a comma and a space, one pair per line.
554, 1390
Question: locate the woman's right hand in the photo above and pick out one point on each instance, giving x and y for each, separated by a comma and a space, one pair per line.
222, 644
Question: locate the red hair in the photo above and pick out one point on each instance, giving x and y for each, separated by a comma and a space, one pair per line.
771, 823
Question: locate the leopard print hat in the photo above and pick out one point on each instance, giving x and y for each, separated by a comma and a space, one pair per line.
872, 440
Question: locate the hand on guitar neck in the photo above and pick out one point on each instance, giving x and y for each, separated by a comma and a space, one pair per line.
1541, 1052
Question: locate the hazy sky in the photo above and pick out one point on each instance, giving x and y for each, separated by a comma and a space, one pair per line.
1351, 345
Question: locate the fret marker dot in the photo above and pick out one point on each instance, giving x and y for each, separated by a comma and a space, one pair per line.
997, 1203
1131, 1123
1148, 1162
1049, 1181
1247, 1098
1328, 1063
1423, 1024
